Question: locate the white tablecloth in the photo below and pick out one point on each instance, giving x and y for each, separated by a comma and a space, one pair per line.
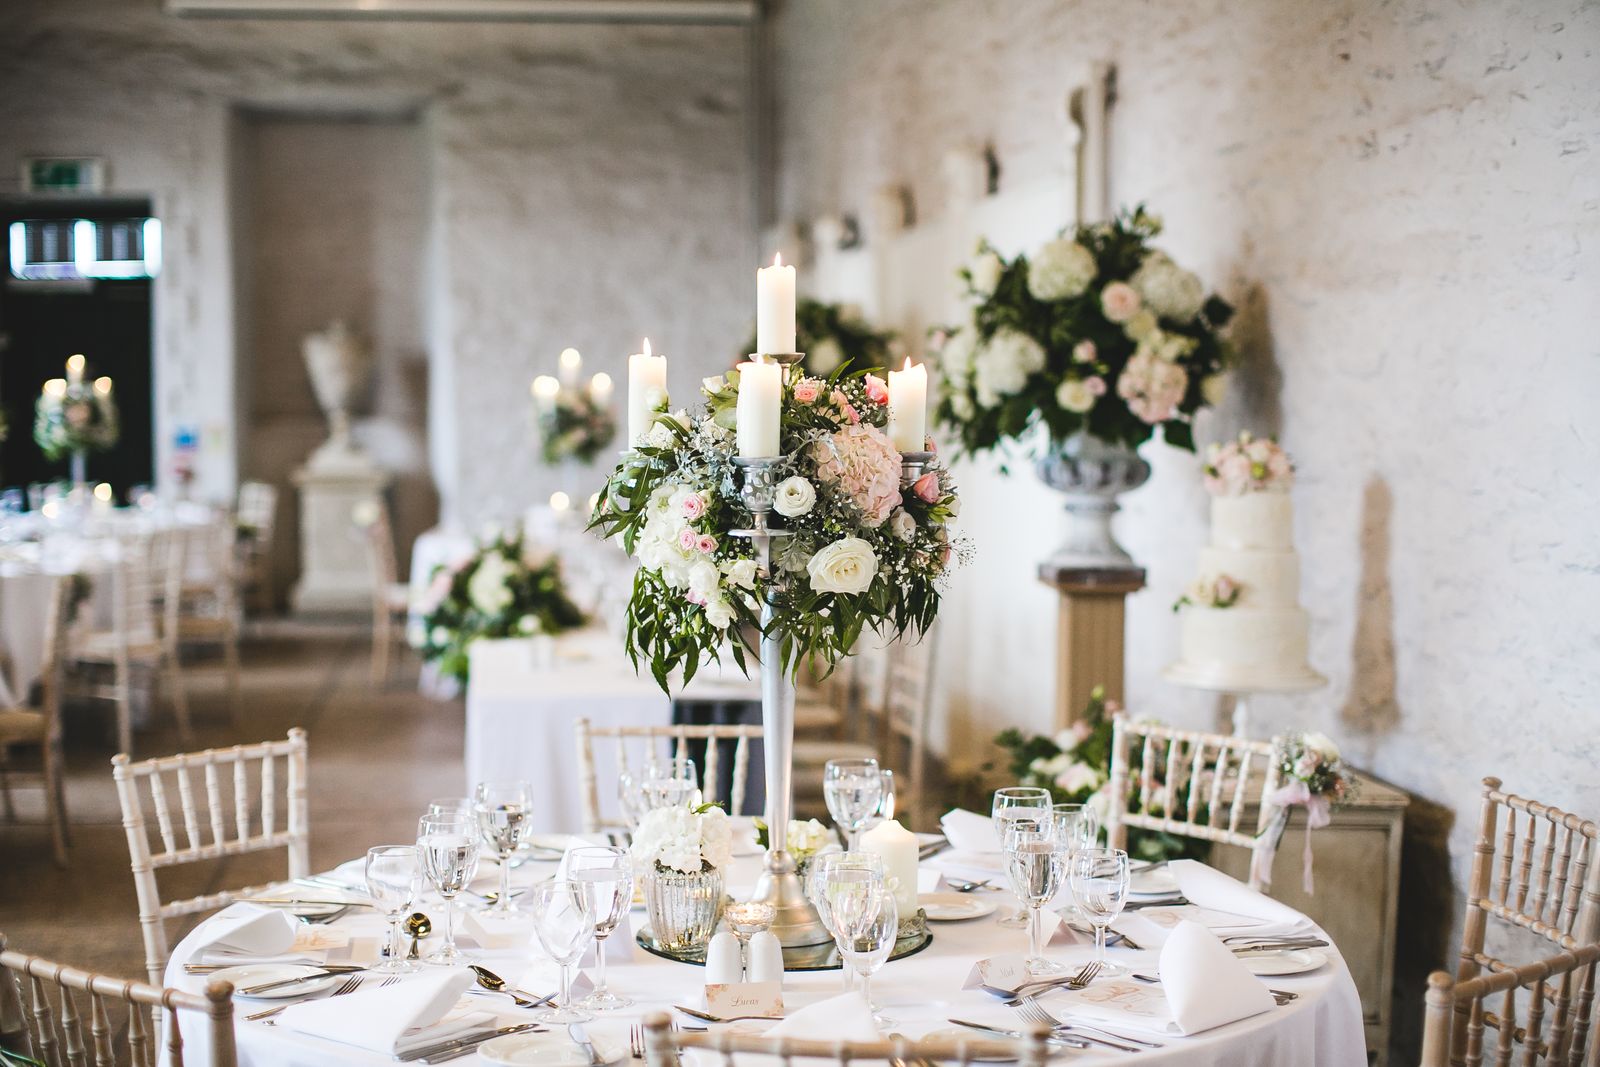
523, 700
26, 576
1322, 1028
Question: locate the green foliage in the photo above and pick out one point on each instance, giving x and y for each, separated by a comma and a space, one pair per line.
574, 426
80, 420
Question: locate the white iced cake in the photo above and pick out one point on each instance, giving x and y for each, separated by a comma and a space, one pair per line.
1240, 624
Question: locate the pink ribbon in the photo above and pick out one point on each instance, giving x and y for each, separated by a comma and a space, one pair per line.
1319, 813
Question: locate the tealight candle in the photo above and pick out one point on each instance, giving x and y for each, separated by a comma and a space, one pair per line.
898, 847
102, 386
775, 308
908, 407
646, 374
760, 409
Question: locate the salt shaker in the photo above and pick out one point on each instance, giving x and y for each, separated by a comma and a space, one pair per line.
766, 958
723, 966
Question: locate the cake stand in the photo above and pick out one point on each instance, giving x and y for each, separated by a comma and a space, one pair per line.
1242, 683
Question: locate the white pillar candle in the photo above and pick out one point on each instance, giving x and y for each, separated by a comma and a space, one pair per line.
775, 309
600, 388
646, 374
545, 389
102, 386
760, 410
908, 407
898, 847
75, 369
571, 361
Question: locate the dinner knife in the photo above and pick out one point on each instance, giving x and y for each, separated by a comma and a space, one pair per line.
251, 991
458, 1045
1165, 902
580, 1037
1274, 947
1015, 1035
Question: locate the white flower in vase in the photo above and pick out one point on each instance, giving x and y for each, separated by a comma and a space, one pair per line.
487, 588
684, 839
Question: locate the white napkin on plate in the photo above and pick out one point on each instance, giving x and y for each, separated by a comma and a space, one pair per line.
967, 831
846, 1017
391, 1019
250, 930
1210, 888
1206, 985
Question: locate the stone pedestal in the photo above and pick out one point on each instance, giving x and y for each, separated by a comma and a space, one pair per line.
1089, 632
335, 565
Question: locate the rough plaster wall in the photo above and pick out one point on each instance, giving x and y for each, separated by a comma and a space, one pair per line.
589, 185
1403, 199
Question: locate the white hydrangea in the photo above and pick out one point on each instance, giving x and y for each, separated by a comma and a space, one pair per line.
1074, 394
1167, 288
1004, 364
985, 270
488, 588
684, 840
1060, 270
825, 356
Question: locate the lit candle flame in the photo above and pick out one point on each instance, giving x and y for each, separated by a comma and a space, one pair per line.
908, 364
560, 501
545, 387
777, 259
600, 385
75, 365
647, 346
56, 387
102, 492
102, 386
570, 357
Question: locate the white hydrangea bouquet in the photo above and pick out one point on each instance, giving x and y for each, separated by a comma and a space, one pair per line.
684, 840
1097, 332
864, 550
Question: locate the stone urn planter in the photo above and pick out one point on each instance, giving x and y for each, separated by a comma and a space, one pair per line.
339, 362
1091, 474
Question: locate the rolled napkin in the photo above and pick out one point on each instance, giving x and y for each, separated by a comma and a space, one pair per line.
970, 832
249, 930
1206, 985
390, 1020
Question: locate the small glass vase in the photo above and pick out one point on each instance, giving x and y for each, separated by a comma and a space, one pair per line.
684, 908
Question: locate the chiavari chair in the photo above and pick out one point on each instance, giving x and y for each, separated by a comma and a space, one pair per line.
650, 741
40, 726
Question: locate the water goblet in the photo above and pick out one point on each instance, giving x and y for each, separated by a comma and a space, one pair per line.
606, 874
853, 789
503, 810
1033, 863
873, 943
672, 786
448, 847
564, 926
1099, 881
1010, 804
885, 809
838, 897
450, 806
392, 875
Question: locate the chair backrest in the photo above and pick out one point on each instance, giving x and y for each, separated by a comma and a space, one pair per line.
1190, 784
650, 756
209, 558
1455, 1016
137, 587
257, 509
663, 1045
905, 720
216, 822
41, 1014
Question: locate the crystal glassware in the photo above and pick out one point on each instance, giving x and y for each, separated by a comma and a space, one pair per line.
450, 806
873, 943
853, 789
606, 874
842, 886
392, 875
1010, 804
1099, 881
683, 908
564, 927
448, 847
885, 809
672, 786
746, 920
503, 810
1033, 863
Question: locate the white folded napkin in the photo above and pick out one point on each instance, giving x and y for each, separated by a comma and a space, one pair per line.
391, 1019
967, 831
1206, 985
1210, 888
250, 930
845, 1017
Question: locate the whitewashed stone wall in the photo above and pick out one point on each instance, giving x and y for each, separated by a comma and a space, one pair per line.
1404, 201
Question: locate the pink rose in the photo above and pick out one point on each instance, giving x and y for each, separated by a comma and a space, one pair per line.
1152, 387
877, 389
706, 544
694, 506
805, 391
860, 461
927, 488
843, 403
1120, 302
1095, 385
1084, 352
688, 540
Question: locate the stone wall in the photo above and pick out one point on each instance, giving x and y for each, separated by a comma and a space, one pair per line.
1404, 202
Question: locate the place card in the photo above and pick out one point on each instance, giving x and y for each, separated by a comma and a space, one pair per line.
1005, 973
619, 945
764, 999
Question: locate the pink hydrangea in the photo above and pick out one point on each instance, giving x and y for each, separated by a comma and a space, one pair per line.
806, 390
927, 488
1152, 387
860, 461
706, 544
694, 506
845, 407
877, 389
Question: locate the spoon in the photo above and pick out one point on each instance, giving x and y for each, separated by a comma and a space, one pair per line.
417, 927
495, 984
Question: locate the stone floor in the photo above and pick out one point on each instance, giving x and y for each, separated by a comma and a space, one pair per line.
377, 756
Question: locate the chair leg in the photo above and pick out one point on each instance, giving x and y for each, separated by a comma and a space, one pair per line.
53, 799
172, 681
122, 689
380, 652
230, 652
5, 789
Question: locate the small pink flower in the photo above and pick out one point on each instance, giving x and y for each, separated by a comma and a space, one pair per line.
688, 540
1084, 352
1095, 385
805, 391
695, 598
844, 405
1119, 301
706, 544
877, 389
927, 488
694, 506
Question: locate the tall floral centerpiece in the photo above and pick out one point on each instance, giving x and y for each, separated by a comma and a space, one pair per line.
835, 337
74, 417
1099, 338
574, 422
786, 515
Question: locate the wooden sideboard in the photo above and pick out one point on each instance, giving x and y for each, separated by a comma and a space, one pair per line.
1357, 867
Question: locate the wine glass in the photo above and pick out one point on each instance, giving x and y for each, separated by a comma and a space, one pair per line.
448, 846
392, 875
564, 925
450, 806
672, 786
853, 789
1033, 863
832, 893
502, 810
1011, 803
1077, 826
606, 873
885, 809
872, 944
1099, 880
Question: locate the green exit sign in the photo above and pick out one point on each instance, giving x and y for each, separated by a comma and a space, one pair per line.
60, 174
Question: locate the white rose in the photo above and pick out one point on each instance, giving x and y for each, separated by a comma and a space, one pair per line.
795, 497
655, 398
704, 579
903, 525
1213, 388
986, 270
953, 505
1323, 745
825, 356
528, 624
439, 636
1141, 325
741, 573
1074, 395
719, 612
846, 566
713, 384
1061, 269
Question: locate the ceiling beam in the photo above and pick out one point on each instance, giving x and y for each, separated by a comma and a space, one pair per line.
714, 12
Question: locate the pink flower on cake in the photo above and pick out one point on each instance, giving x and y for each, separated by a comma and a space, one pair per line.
927, 488
860, 461
877, 389
1152, 387
806, 390
1120, 302
842, 402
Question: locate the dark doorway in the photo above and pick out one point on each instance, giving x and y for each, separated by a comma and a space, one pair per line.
44, 322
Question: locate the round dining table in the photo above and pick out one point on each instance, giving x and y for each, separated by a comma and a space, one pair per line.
920, 993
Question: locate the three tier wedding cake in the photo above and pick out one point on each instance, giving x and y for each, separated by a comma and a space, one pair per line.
1241, 624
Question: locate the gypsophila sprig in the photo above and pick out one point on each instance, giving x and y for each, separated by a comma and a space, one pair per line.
864, 551
1098, 332
834, 337
574, 425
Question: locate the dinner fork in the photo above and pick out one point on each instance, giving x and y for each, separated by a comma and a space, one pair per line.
349, 985
968, 887
1282, 996
1086, 974
1034, 1012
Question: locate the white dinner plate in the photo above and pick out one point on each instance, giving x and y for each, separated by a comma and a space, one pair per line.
551, 1049
1295, 961
253, 974
1157, 883
309, 903
954, 907
961, 1033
